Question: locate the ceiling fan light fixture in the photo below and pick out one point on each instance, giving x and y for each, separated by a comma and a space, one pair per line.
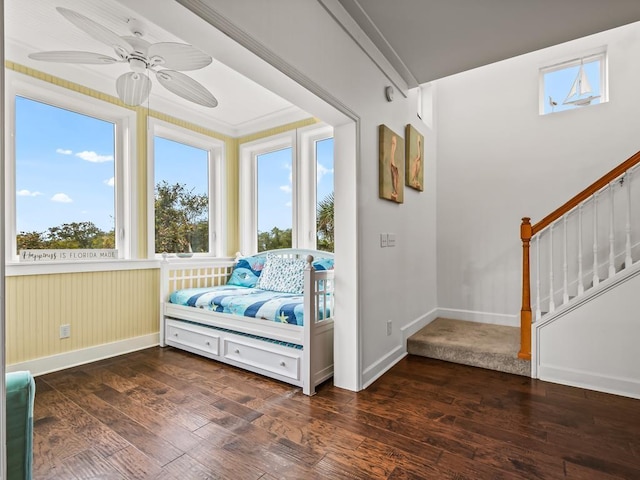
133, 88
137, 65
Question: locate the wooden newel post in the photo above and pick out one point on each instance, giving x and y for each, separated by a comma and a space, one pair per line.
525, 312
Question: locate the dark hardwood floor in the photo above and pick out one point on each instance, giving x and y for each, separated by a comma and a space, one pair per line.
166, 414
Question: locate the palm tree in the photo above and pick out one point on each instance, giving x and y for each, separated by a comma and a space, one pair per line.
324, 223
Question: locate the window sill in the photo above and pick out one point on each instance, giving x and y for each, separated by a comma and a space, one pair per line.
48, 268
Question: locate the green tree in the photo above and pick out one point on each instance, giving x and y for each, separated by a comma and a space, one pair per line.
274, 239
67, 235
73, 235
181, 219
31, 240
324, 223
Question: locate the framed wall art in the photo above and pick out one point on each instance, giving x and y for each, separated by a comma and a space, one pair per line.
414, 158
391, 165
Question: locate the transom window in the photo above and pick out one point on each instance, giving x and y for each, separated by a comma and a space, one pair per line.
576, 83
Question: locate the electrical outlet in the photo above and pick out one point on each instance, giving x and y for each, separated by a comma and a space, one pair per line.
391, 239
65, 331
389, 327
383, 240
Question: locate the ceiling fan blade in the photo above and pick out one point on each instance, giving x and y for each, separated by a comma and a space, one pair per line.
73, 57
97, 31
177, 56
133, 88
186, 87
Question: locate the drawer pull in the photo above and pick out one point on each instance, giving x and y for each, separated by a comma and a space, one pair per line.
208, 344
237, 350
176, 334
282, 364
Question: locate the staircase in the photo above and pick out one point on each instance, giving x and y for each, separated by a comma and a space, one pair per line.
494, 347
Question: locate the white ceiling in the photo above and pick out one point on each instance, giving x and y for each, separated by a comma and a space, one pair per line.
429, 39
423, 39
35, 25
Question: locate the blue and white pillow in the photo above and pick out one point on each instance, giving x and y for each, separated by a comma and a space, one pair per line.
323, 264
282, 275
247, 271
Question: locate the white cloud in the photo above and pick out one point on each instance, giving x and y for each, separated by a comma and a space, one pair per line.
288, 167
63, 151
93, 157
110, 181
27, 193
286, 188
288, 204
321, 171
61, 198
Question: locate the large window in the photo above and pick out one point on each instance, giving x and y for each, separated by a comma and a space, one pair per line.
65, 177
324, 194
67, 174
187, 191
275, 199
575, 83
286, 191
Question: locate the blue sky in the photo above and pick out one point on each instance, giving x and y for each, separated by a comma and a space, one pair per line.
557, 85
275, 187
65, 170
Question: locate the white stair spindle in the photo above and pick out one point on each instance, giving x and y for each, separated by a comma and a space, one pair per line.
612, 258
565, 265
596, 279
580, 284
552, 305
538, 308
627, 258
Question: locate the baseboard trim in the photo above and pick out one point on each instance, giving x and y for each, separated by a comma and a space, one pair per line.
480, 317
375, 371
418, 324
53, 363
379, 368
579, 378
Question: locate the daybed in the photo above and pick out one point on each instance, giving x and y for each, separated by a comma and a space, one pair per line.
250, 319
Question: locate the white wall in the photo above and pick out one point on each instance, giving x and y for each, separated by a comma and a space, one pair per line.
499, 160
392, 283
595, 347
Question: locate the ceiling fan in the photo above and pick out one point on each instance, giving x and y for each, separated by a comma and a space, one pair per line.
165, 59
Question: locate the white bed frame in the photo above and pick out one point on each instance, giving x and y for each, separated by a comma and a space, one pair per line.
192, 329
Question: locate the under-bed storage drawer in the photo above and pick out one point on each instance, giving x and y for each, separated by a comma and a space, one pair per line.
271, 360
193, 336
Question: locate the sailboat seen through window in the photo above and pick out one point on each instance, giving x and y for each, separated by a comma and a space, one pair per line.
577, 83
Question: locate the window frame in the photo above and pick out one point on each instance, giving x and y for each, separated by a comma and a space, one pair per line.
307, 139
587, 57
216, 164
124, 121
302, 142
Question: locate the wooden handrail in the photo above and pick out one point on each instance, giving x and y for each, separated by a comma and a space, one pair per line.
527, 231
586, 193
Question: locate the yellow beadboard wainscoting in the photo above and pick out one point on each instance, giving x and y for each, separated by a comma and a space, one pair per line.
101, 307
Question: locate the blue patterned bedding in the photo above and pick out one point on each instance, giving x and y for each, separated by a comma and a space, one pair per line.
245, 301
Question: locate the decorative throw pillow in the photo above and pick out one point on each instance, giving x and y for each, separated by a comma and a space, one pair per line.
323, 264
247, 271
282, 275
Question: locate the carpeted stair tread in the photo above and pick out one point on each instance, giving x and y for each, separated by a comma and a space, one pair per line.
484, 345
